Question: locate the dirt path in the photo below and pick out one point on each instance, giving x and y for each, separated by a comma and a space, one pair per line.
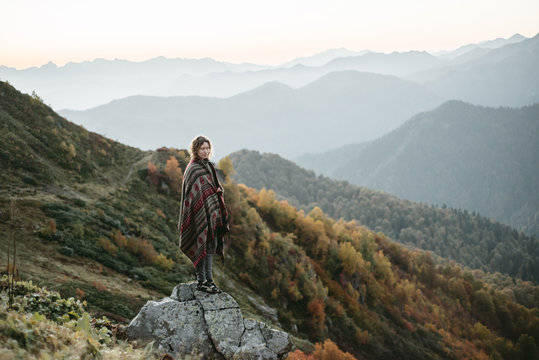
145, 159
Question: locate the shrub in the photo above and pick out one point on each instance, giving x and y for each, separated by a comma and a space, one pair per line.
66, 250
107, 245
163, 262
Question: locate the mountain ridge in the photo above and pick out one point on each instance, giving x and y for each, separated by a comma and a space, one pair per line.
335, 101
490, 152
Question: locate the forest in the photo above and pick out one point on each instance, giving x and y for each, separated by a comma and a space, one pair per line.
466, 237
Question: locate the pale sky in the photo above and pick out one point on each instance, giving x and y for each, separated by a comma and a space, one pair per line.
34, 32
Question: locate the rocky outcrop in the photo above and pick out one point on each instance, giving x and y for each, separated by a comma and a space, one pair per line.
192, 322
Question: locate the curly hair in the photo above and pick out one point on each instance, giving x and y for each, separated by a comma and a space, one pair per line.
197, 144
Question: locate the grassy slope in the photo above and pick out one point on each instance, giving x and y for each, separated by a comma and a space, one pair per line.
97, 191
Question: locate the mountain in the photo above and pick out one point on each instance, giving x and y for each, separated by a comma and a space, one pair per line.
507, 81
468, 238
468, 157
95, 219
506, 76
341, 107
322, 58
397, 64
487, 44
101, 81
92, 83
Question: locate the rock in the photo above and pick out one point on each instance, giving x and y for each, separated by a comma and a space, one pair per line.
192, 322
265, 310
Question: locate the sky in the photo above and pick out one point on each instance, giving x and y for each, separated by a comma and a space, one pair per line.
34, 32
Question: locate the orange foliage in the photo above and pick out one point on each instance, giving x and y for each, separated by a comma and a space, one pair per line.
153, 176
142, 248
118, 238
147, 251
316, 309
299, 355
99, 286
50, 229
174, 173
79, 294
329, 351
363, 337
326, 351
107, 245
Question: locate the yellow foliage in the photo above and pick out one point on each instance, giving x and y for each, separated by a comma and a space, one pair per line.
294, 292
382, 266
226, 166
351, 260
160, 213
71, 152
266, 199
163, 262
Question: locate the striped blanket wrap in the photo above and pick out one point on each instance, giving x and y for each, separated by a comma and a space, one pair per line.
203, 213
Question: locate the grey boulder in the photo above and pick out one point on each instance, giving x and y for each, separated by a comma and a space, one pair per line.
211, 326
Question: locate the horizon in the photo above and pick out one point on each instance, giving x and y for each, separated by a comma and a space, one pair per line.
434, 53
61, 31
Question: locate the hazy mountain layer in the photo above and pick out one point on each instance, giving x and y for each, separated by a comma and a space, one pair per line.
92, 83
468, 157
339, 108
507, 76
80, 86
488, 44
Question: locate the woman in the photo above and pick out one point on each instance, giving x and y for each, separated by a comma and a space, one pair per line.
203, 222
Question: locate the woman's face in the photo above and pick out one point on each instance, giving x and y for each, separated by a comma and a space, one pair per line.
204, 151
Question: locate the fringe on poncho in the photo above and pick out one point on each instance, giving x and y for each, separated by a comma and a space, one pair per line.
203, 213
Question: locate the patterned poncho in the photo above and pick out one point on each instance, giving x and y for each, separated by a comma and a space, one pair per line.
202, 210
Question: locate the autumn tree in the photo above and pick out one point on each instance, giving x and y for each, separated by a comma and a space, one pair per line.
225, 164
153, 176
174, 173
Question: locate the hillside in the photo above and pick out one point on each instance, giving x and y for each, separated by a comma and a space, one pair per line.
95, 219
468, 157
342, 100
465, 237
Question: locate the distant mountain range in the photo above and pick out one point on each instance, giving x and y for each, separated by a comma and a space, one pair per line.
339, 108
80, 86
487, 44
506, 76
468, 157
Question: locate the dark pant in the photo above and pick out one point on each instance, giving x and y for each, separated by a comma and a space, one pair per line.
205, 269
